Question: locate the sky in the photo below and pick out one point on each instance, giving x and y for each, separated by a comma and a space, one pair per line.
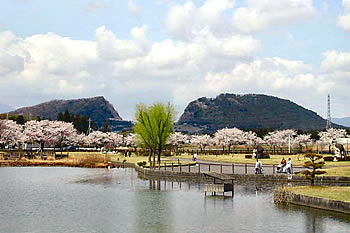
146, 51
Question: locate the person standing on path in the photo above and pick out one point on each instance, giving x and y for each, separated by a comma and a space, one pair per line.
289, 166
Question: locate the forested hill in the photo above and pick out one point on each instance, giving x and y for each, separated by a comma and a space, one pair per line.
247, 112
97, 108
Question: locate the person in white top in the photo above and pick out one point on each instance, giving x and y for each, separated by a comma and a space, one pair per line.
194, 158
289, 166
258, 167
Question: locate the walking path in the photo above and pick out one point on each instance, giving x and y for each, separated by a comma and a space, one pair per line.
226, 168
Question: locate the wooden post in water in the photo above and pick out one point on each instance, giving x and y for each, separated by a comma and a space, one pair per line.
233, 168
180, 166
246, 168
172, 166
232, 189
189, 168
199, 168
273, 169
209, 167
221, 168
165, 166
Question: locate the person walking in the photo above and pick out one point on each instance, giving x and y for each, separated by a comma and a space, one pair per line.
289, 166
258, 167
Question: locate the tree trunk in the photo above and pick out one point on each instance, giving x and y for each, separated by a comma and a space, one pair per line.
159, 153
150, 158
154, 160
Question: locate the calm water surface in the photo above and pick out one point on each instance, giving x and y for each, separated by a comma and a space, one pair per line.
97, 200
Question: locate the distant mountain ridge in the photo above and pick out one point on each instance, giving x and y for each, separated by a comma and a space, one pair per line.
342, 121
5, 108
97, 108
251, 111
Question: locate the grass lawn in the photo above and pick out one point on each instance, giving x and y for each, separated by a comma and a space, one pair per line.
334, 193
338, 171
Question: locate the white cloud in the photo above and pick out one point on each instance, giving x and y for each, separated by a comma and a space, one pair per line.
260, 14
109, 47
95, 5
344, 20
134, 8
336, 61
187, 20
46, 66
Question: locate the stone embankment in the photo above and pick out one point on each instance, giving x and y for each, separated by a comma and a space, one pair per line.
286, 196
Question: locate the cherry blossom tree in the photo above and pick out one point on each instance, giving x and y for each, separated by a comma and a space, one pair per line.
302, 140
228, 137
176, 139
132, 140
115, 139
329, 136
201, 140
326, 137
97, 138
280, 137
80, 139
11, 133
63, 132
40, 131
251, 139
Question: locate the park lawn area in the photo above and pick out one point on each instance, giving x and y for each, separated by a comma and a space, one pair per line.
334, 193
338, 171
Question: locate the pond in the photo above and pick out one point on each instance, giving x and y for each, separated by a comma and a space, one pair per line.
86, 200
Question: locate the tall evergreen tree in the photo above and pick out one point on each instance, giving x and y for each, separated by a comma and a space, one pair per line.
105, 128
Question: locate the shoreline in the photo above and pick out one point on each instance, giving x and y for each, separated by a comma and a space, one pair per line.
156, 173
48, 163
288, 196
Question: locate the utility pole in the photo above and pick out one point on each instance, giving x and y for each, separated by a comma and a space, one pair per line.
289, 143
329, 123
89, 129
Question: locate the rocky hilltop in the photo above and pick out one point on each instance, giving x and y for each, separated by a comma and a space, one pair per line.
247, 112
97, 108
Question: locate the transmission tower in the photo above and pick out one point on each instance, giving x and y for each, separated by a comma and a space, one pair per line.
329, 123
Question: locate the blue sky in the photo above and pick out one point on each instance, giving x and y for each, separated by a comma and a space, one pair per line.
162, 50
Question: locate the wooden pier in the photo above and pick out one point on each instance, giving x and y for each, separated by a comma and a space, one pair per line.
222, 183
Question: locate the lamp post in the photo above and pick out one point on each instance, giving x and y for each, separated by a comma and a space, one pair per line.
289, 143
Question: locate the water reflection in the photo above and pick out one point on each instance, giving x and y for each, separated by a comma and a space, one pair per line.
42, 200
153, 211
314, 219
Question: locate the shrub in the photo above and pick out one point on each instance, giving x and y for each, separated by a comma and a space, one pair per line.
315, 164
328, 158
142, 164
